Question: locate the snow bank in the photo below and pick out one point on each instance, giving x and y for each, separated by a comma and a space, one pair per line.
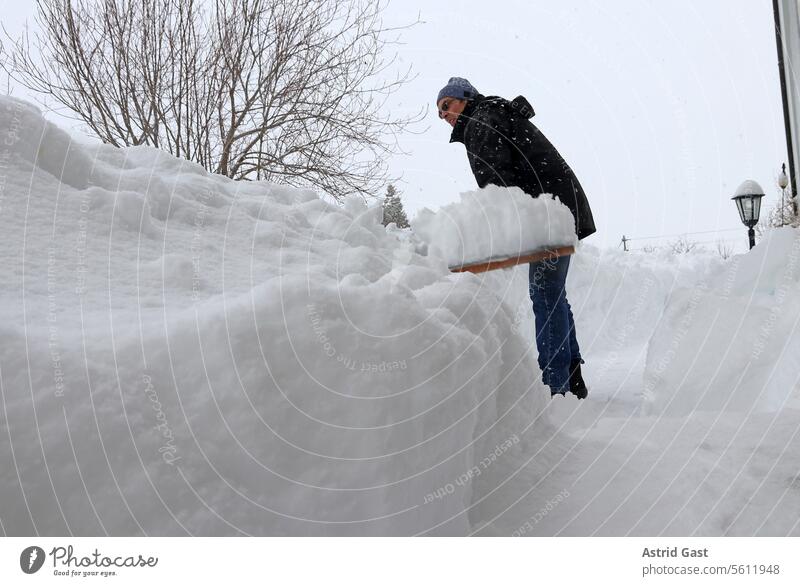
36, 142
494, 222
731, 343
184, 354
716, 467
618, 299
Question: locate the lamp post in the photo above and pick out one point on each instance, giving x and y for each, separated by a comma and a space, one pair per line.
748, 202
783, 183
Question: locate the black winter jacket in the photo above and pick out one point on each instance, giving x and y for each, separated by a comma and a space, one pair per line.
506, 149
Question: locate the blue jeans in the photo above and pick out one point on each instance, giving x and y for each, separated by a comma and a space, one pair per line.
555, 328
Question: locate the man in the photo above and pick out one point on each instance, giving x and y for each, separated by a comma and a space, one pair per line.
504, 148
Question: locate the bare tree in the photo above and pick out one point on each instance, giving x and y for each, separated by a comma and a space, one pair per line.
682, 245
724, 249
286, 91
781, 214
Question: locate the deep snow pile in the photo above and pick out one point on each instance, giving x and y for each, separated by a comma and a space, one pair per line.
730, 342
618, 298
494, 222
712, 450
180, 353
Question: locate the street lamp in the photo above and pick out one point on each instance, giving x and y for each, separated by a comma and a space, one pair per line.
783, 183
748, 201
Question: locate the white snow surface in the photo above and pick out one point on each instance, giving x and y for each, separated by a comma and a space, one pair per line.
691, 424
749, 187
734, 336
494, 222
184, 354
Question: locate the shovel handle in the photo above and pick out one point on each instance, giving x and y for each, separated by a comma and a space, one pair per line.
505, 262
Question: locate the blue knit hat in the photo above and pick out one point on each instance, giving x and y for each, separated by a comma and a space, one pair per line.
457, 87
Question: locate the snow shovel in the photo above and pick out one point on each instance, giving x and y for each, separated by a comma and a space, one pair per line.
505, 261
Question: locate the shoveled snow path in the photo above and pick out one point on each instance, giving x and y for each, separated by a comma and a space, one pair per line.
612, 471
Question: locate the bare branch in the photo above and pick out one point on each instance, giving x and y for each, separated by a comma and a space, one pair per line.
294, 92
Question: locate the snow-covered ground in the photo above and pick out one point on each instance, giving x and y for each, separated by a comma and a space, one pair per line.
183, 354
692, 424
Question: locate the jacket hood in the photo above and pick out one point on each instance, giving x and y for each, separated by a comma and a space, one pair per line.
521, 104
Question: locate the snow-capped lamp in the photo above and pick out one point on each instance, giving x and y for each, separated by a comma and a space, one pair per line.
748, 202
783, 178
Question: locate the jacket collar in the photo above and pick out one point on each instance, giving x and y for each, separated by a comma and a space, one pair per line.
463, 119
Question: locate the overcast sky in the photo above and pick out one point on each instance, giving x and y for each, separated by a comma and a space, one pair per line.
661, 108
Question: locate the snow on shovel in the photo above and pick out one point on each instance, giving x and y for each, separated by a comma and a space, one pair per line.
495, 228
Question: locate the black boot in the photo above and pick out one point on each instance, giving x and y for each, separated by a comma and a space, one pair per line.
576, 385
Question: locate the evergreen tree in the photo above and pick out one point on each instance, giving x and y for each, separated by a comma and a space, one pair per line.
393, 208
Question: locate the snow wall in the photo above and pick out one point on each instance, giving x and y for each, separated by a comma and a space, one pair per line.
730, 342
184, 354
